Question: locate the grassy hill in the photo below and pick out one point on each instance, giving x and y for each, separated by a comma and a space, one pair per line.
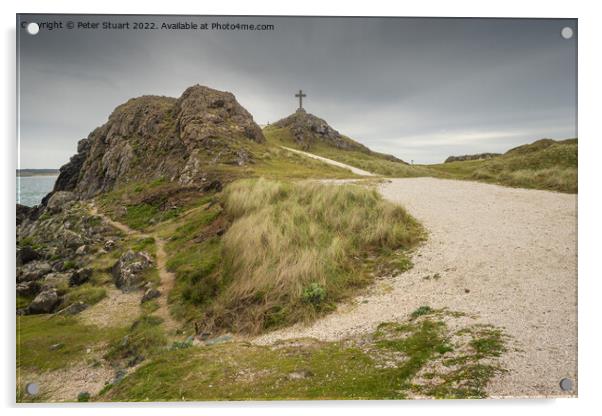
543, 164
359, 157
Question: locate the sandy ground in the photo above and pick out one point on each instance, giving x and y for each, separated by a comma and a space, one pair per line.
508, 255
355, 170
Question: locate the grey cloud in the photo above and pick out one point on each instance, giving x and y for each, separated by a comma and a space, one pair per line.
421, 89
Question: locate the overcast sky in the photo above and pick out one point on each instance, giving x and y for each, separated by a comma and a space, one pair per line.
421, 89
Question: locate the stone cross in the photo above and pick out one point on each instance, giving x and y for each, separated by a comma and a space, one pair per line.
300, 95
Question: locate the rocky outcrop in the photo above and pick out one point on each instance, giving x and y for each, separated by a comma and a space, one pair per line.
308, 130
60, 200
478, 156
55, 250
154, 137
128, 272
25, 213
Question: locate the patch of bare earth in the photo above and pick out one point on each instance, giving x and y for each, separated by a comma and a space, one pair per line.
65, 384
505, 255
117, 309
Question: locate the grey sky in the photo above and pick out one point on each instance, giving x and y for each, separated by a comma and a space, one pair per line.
421, 89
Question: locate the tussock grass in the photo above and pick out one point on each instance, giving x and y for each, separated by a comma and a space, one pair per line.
291, 239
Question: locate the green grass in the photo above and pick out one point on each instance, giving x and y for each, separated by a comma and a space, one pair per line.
398, 361
544, 164
36, 334
278, 163
284, 241
372, 162
144, 338
86, 293
142, 205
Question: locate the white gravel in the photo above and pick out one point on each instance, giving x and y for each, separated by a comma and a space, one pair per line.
353, 169
508, 255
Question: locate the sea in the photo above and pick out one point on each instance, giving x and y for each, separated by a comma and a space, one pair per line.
31, 189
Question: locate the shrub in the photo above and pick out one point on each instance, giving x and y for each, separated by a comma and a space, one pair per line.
314, 294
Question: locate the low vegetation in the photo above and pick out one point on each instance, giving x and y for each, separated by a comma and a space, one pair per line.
278, 163
373, 162
544, 164
274, 253
420, 357
50, 342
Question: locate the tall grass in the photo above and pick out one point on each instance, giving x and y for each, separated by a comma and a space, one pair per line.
289, 241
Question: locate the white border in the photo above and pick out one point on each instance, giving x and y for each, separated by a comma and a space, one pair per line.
590, 137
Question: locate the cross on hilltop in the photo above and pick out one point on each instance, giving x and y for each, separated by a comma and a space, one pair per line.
300, 95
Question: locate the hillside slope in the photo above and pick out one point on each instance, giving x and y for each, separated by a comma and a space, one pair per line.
543, 164
309, 133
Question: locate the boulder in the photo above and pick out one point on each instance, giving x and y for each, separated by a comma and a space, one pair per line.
81, 276
55, 280
81, 250
300, 375
28, 288
74, 309
109, 245
129, 270
71, 239
150, 294
44, 302
26, 254
33, 271
59, 200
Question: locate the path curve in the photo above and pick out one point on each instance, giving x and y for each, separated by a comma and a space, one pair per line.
166, 278
508, 255
353, 169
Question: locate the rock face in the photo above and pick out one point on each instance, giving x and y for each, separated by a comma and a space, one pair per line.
154, 137
308, 130
128, 272
59, 200
471, 157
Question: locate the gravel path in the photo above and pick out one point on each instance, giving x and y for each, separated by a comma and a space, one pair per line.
355, 170
508, 255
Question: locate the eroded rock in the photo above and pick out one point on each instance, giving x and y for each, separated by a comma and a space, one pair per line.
128, 272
